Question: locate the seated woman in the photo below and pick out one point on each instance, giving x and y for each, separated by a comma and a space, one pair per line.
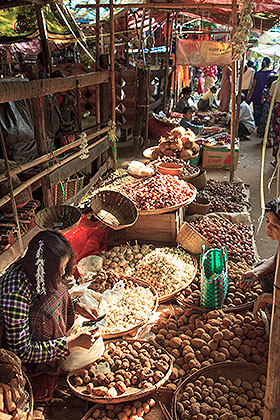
186, 100
36, 310
187, 122
207, 101
264, 271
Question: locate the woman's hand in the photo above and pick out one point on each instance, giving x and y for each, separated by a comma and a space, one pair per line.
247, 280
85, 311
83, 339
263, 300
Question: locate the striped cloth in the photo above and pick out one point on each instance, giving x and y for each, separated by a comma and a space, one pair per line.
17, 296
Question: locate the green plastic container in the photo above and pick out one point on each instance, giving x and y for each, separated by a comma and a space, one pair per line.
214, 277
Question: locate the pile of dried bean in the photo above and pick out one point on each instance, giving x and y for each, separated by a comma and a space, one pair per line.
236, 237
223, 196
157, 192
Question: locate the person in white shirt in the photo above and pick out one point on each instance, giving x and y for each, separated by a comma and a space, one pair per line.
248, 77
246, 124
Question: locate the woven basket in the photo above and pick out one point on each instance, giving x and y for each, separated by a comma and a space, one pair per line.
239, 309
62, 218
114, 209
200, 206
200, 181
191, 240
230, 370
132, 393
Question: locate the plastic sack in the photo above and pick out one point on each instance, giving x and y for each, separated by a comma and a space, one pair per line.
113, 296
214, 277
80, 357
87, 296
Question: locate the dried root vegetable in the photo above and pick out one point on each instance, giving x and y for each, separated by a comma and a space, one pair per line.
130, 411
235, 296
157, 192
132, 364
136, 307
167, 269
198, 340
222, 399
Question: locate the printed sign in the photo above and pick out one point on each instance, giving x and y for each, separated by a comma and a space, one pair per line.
203, 53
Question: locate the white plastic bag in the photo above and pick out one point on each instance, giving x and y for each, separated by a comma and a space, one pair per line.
80, 357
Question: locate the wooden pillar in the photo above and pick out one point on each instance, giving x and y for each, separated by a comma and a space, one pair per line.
97, 55
104, 90
233, 99
148, 81
39, 129
43, 38
78, 111
113, 83
13, 201
166, 74
239, 92
175, 86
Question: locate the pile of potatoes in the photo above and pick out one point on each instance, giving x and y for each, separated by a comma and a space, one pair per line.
198, 340
131, 411
129, 365
235, 295
222, 399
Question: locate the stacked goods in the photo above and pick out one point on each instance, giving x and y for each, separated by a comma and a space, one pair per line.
14, 401
198, 340
129, 411
219, 140
158, 192
236, 237
188, 170
236, 296
222, 399
180, 143
223, 196
131, 366
166, 269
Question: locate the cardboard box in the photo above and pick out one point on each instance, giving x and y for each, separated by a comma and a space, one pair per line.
215, 157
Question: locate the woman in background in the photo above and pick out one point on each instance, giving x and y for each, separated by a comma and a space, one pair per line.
225, 91
248, 77
186, 100
266, 106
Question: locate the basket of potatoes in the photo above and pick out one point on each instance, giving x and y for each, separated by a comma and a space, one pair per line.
224, 391
237, 300
128, 370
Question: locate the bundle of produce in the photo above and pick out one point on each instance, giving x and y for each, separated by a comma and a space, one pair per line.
188, 169
158, 192
180, 143
223, 196
131, 366
198, 340
236, 237
14, 400
129, 411
235, 296
222, 399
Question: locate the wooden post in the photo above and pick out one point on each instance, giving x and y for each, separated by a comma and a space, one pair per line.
167, 44
78, 112
39, 129
97, 55
13, 201
175, 86
113, 83
148, 80
43, 38
239, 92
272, 393
233, 102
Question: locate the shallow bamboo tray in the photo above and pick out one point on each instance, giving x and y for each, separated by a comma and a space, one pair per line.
191, 240
229, 370
236, 309
132, 330
171, 208
132, 393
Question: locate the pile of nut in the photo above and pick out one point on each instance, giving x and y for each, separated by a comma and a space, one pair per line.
222, 399
130, 366
236, 295
223, 196
130, 411
135, 308
236, 237
166, 269
198, 340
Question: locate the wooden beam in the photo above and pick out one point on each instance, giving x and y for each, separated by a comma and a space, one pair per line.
17, 90
44, 38
167, 56
97, 56
166, 6
113, 83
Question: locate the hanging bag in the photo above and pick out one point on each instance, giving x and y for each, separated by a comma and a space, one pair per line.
214, 277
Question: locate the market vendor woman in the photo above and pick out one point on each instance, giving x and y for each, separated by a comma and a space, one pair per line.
187, 122
186, 100
36, 310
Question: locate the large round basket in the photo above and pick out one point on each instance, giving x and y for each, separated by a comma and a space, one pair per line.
114, 209
62, 218
249, 372
172, 208
191, 240
200, 180
132, 330
199, 206
131, 394
235, 309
